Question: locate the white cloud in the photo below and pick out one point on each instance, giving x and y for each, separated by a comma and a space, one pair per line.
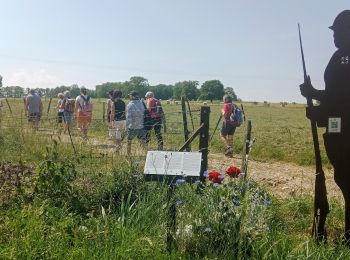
41, 78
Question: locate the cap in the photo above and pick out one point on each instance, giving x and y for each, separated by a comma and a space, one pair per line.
149, 94
134, 93
342, 21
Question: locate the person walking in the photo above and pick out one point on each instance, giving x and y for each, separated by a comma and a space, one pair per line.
334, 110
69, 105
156, 112
135, 112
83, 112
109, 111
34, 108
228, 128
60, 108
118, 118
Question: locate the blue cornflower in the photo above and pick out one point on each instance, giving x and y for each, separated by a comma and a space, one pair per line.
178, 202
240, 190
137, 163
216, 184
135, 175
221, 177
180, 181
237, 202
267, 202
205, 173
197, 182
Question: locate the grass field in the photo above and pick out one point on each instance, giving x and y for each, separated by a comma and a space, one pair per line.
281, 133
55, 204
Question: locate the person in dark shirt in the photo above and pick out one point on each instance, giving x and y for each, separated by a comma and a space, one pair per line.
118, 117
334, 109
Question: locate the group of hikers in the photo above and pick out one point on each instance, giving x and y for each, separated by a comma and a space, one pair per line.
134, 120
137, 119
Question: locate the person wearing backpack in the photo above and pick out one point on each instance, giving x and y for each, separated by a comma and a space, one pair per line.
228, 126
135, 113
83, 112
156, 112
69, 105
118, 117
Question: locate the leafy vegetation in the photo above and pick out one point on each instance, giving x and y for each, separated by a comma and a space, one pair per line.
62, 204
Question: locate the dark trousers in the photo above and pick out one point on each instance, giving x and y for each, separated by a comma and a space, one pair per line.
338, 152
157, 126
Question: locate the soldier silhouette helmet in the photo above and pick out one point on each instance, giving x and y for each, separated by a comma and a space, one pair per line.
342, 21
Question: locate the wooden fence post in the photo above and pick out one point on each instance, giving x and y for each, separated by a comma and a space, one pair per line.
204, 139
104, 112
246, 147
184, 119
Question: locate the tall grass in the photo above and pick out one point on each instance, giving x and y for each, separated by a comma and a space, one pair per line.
282, 133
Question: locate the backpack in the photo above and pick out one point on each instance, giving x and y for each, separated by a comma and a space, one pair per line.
87, 105
236, 118
147, 119
157, 111
69, 105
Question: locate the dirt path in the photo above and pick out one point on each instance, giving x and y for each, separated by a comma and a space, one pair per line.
280, 178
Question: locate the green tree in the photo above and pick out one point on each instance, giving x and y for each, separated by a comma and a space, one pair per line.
139, 84
229, 91
162, 91
101, 90
186, 88
212, 89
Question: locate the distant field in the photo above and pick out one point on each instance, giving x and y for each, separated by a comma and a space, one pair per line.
281, 133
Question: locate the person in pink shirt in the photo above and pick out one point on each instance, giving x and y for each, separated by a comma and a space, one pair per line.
227, 129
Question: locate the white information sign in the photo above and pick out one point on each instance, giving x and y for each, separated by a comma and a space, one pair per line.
334, 125
173, 163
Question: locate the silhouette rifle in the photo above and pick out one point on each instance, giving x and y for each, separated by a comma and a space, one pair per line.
321, 206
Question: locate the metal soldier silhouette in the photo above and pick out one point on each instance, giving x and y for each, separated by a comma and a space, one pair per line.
334, 110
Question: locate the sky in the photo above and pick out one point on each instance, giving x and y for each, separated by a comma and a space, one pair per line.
251, 46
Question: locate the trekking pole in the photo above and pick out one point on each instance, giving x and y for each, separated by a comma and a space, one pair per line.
189, 110
216, 127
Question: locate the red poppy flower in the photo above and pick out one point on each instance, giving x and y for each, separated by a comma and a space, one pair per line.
233, 171
215, 177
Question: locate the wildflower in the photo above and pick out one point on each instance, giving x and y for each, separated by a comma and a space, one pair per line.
240, 190
135, 175
207, 230
178, 202
180, 181
197, 182
137, 163
205, 174
237, 202
214, 176
221, 177
267, 202
216, 184
267, 229
233, 171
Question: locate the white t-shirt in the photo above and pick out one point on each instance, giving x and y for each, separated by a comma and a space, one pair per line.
81, 101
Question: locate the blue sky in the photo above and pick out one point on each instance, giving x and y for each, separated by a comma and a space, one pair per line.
251, 46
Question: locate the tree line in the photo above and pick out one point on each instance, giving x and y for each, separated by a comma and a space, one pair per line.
209, 90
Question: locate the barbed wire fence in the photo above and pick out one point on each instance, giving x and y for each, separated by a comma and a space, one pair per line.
177, 116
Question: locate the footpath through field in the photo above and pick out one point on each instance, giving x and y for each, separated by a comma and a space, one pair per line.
279, 178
